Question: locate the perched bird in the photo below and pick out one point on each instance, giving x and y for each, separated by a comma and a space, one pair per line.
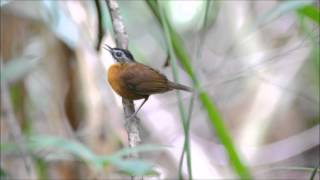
133, 80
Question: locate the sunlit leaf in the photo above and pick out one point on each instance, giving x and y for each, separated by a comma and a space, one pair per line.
311, 12
133, 167
223, 135
210, 13
41, 168
7, 147
70, 146
154, 8
136, 167
281, 9
141, 148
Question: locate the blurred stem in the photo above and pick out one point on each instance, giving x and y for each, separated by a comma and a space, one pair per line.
314, 172
187, 139
224, 137
154, 7
184, 120
42, 169
177, 49
7, 114
100, 24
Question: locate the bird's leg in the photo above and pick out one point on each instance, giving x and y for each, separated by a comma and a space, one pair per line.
135, 113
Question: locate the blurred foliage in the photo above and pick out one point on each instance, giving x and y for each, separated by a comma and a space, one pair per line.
25, 72
3, 174
283, 8
64, 147
17, 69
314, 172
310, 12
41, 168
176, 48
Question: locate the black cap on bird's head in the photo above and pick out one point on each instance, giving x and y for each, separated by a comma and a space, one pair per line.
120, 55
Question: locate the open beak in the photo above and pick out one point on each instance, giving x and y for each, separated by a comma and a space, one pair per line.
108, 48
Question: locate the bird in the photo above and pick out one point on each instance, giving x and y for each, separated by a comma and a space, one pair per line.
132, 80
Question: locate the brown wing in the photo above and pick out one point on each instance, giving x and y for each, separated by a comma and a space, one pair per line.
144, 80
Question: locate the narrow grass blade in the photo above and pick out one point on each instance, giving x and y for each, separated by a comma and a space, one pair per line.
176, 48
312, 12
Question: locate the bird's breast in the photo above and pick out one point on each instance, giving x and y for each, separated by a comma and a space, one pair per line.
117, 84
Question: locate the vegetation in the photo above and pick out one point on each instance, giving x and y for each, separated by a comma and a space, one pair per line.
254, 68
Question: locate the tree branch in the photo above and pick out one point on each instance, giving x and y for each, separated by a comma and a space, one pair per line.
121, 37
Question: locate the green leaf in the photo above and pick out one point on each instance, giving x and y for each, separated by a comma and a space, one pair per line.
3, 174
181, 54
316, 58
133, 167
213, 114
314, 172
118, 156
281, 9
41, 168
170, 34
75, 148
137, 149
210, 13
223, 135
312, 12
7, 147
154, 8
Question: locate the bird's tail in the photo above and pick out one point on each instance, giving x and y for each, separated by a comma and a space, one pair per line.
177, 86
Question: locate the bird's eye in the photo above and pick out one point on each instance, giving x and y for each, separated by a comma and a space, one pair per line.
118, 54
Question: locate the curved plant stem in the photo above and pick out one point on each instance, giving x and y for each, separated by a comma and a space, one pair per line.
186, 145
177, 49
7, 115
184, 120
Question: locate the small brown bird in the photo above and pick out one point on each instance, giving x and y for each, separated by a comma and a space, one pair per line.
133, 80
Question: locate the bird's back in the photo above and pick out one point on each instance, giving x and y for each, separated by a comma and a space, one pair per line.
118, 85
138, 81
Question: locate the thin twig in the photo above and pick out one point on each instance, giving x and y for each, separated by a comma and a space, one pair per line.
121, 37
168, 30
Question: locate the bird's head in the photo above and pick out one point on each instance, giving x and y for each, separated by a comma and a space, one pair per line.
120, 55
